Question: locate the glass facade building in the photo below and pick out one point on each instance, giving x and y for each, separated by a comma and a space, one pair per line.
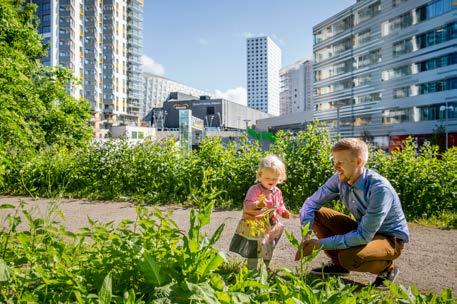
387, 68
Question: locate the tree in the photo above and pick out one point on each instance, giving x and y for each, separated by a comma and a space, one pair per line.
35, 109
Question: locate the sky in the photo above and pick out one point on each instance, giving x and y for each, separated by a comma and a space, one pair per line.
202, 43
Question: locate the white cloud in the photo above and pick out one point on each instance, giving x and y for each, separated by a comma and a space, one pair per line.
203, 41
238, 95
150, 66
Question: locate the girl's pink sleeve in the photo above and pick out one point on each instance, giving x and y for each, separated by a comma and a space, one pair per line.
250, 202
281, 207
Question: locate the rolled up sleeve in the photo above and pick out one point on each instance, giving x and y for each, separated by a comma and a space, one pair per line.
313, 203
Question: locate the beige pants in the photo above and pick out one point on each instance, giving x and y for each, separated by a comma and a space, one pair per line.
375, 257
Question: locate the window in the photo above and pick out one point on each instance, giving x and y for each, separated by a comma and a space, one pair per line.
363, 37
393, 116
426, 88
342, 46
397, 2
368, 12
423, 40
368, 59
401, 92
343, 25
362, 120
362, 80
397, 72
397, 23
422, 13
368, 98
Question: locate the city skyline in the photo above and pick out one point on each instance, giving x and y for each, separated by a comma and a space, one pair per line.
213, 38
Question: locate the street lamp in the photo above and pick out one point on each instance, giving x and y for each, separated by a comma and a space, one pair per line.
163, 119
247, 121
338, 121
220, 120
154, 118
445, 125
211, 121
446, 118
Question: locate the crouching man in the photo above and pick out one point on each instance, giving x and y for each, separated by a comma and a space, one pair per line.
372, 241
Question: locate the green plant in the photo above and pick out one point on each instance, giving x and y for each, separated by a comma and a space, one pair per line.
149, 260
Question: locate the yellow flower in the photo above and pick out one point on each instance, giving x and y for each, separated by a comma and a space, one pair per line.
257, 227
261, 198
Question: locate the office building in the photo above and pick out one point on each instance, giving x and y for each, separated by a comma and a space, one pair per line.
296, 90
385, 69
157, 90
263, 65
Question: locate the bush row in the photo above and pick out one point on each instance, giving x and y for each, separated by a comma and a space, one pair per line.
162, 173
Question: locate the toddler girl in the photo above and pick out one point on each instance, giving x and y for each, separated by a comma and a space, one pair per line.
259, 229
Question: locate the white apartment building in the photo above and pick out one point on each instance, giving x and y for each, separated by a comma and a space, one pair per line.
296, 87
92, 38
386, 69
263, 64
157, 89
61, 27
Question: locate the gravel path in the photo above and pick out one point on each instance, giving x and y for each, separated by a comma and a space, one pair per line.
428, 261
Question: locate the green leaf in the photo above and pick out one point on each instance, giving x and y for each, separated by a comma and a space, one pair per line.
292, 239
7, 206
223, 297
210, 264
240, 298
4, 271
216, 235
202, 292
153, 273
105, 293
217, 282
263, 274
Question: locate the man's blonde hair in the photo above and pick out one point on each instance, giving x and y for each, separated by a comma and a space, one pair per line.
357, 147
273, 163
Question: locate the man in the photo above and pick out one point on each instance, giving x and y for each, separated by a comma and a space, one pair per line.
375, 239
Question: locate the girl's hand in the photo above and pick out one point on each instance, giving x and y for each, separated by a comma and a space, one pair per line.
285, 214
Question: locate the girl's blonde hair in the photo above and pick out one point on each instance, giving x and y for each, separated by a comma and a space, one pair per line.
273, 163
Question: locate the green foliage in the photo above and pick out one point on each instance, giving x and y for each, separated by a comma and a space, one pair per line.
151, 260
425, 180
162, 173
35, 108
307, 157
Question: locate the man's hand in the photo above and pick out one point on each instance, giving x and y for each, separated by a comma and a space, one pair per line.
307, 248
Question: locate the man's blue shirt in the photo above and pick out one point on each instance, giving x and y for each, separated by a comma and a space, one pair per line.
373, 202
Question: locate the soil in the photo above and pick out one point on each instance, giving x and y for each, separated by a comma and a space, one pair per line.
428, 260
